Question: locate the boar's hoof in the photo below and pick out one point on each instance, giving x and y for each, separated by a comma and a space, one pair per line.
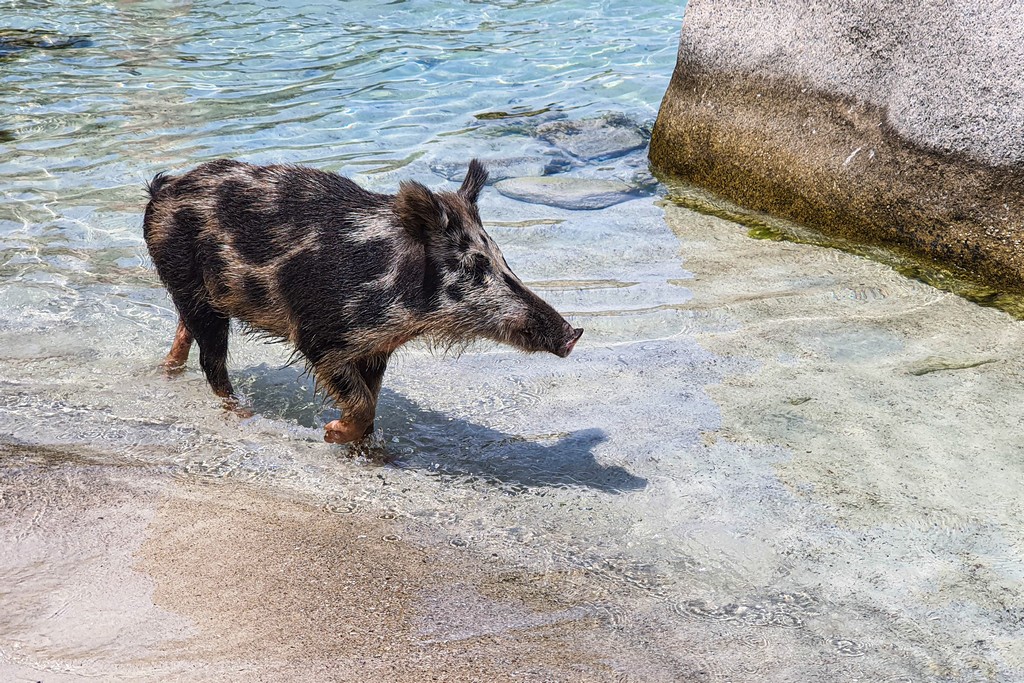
233, 405
341, 431
172, 367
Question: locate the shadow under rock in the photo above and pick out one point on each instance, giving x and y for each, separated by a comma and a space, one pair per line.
416, 437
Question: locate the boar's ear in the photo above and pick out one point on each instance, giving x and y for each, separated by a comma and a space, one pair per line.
419, 210
476, 178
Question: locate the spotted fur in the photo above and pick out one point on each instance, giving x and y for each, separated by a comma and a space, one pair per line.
344, 274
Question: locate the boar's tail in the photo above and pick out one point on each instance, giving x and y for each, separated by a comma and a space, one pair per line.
154, 185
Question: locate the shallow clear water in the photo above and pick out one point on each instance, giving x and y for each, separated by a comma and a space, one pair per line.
749, 462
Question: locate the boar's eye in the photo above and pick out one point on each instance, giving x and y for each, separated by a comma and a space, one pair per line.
479, 268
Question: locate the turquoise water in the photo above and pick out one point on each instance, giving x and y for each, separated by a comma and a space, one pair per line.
378, 91
354, 87
725, 465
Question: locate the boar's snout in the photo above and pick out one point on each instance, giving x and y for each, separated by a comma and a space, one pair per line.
548, 331
545, 329
571, 336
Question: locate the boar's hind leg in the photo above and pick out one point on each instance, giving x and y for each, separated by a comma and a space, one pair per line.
178, 355
210, 329
346, 385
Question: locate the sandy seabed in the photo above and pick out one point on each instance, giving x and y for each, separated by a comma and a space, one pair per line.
844, 506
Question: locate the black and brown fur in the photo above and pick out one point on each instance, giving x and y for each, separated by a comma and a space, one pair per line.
344, 274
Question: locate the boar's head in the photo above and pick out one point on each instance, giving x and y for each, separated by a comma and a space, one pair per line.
468, 289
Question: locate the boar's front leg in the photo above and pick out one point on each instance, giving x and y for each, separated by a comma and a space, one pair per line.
372, 371
354, 387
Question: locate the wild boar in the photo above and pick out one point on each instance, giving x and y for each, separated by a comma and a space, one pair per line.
344, 274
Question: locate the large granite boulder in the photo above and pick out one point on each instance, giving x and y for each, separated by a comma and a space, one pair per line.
895, 123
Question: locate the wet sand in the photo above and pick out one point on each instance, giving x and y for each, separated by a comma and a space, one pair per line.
217, 582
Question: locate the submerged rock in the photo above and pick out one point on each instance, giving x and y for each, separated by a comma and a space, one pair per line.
513, 114
501, 168
893, 123
16, 40
605, 137
566, 193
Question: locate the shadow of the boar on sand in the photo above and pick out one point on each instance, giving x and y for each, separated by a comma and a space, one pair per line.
421, 438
